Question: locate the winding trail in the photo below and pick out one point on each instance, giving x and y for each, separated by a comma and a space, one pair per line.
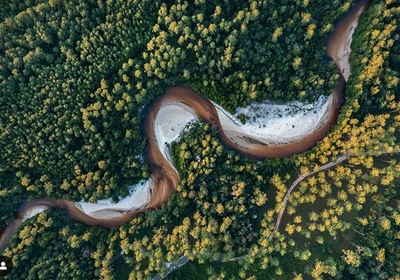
164, 177
339, 160
298, 180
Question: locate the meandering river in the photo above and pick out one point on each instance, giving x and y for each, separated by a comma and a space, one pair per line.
165, 178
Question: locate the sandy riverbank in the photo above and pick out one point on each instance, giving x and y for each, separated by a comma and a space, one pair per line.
138, 197
339, 46
33, 212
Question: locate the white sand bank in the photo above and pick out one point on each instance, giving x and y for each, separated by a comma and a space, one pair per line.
341, 50
138, 197
33, 212
344, 54
276, 124
170, 122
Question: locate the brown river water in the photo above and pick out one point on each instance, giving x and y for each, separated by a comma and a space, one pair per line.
163, 174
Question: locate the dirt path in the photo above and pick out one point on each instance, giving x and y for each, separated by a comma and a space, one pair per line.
302, 177
298, 180
339, 160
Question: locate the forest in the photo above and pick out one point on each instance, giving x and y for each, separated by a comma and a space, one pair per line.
76, 79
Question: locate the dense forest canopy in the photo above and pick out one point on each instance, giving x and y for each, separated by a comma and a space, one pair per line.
76, 78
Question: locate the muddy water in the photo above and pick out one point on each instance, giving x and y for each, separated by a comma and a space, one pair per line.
163, 174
